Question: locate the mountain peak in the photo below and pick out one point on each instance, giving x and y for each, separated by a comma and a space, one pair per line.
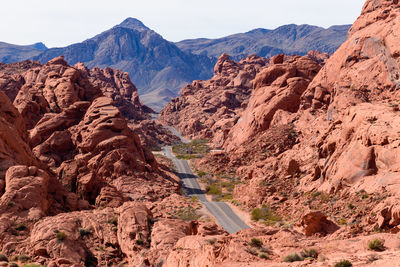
39, 46
132, 23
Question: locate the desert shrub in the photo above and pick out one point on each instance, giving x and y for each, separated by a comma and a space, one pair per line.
3, 257
31, 265
23, 258
309, 253
139, 242
263, 255
84, 232
61, 236
20, 227
13, 264
292, 258
255, 242
252, 251
377, 245
201, 173
224, 197
186, 214
214, 189
113, 220
343, 263
211, 241
266, 214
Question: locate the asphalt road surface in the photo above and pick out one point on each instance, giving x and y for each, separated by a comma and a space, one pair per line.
220, 210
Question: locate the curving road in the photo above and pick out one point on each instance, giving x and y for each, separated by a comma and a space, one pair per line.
220, 210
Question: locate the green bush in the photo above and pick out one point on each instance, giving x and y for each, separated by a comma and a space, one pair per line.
13, 264
266, 214
61, 236
31, 265
113, 220
343, 263
211, 241
255, 242
3, 257
263, 255
84, 232
201, 173
376, 245
214, 189
292, 258
20, 227
186, 214
23, 258
224, 197
309, 253
139, 242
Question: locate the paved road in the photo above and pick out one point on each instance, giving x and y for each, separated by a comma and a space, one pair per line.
175, 132
221, 211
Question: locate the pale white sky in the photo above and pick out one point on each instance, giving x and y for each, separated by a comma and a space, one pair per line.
60, 23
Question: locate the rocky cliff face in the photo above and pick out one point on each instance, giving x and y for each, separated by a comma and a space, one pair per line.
317, 158
229, 100
76, 129
334, 134
212, 107
76, 185
314, 141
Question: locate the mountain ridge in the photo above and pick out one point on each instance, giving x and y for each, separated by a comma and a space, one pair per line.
288, 39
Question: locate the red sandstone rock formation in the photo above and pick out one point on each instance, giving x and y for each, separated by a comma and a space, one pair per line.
78, 153
278, 87
325, 140
210, 108
329, 145
342, 130
12, 78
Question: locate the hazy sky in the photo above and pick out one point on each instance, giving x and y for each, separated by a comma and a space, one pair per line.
60, 23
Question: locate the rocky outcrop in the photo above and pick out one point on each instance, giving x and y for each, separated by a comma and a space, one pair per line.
317, 223
321, 139
82, 135
13, 139
78, 154
82, 238
212, 107
117, 85
278, 87
366, 66
153, 134
11, 76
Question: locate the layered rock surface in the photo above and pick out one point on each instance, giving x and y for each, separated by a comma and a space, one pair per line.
212, 107
71, 152
319, 146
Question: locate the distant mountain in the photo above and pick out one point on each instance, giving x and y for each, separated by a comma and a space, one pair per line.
156, 66
12, 53
288, 39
